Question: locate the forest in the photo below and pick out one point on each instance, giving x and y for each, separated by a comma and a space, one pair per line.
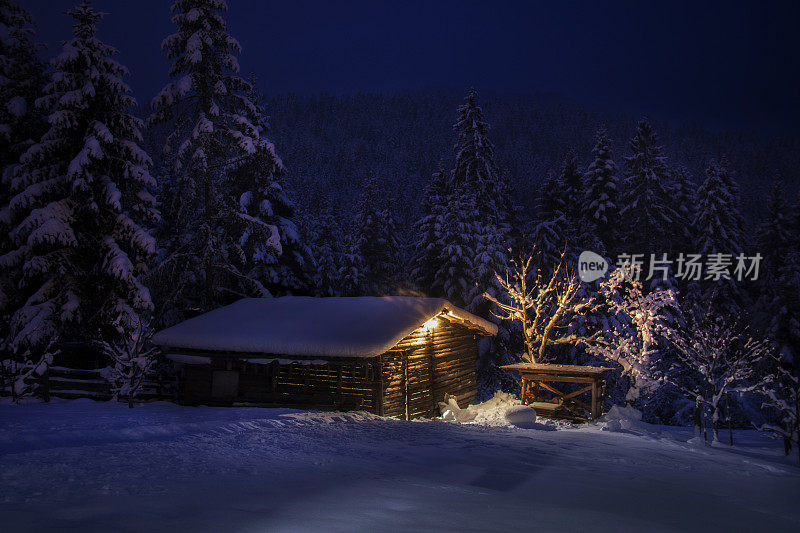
121, 218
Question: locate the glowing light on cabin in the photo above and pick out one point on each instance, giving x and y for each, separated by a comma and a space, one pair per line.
430, 324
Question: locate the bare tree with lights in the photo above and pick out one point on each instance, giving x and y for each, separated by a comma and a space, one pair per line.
547, 306
543, 306
717, 357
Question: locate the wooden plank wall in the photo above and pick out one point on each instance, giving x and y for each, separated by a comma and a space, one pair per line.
346, 386
425, 366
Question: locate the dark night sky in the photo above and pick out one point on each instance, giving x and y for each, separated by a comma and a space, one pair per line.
720, 64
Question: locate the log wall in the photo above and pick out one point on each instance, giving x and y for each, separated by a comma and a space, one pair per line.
423, 367
406, 382
345, 386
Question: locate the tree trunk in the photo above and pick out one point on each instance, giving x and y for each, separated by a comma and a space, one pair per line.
698, 417
130, 388
730, 421
13, 381
715, 422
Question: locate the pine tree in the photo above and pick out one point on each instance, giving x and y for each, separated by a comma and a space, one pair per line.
325, 239
22, 78
551, 232
647, 214
429, 234
602, 193
377, 240
273, 258
553, 199
776, 235
779, 283
228, 229
476, 172
717, 227
683, 193
456, 275
717, 222
574, 189
352, 271
479, 236
80, 209
475, 167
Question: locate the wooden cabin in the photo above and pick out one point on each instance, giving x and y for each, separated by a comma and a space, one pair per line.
393, 356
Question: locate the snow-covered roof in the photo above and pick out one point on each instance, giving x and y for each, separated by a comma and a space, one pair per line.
313, 327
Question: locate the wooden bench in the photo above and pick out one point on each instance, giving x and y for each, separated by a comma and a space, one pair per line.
538, 379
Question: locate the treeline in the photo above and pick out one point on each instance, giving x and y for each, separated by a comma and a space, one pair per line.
331, 143
114, 226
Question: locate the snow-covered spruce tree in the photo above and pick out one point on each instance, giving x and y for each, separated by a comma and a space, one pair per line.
352, 277
429, 234
718, 230
602, 194
477, 179
647, 216
553, 198
272, 257
80, 209
475, 166
476, 174
227, 228
377, 240
778, 305
22, 78
776, 235
684, 198
551, 230
325, 238
457, 269
575, 194
718, 223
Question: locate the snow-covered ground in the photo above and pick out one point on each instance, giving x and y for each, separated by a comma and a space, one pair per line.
88, 466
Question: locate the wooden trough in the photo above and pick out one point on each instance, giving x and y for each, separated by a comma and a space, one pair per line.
537, 389
391, 356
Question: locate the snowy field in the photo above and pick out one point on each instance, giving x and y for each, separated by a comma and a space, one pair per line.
85, 466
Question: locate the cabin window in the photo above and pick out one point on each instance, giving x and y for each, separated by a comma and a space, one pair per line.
225, 384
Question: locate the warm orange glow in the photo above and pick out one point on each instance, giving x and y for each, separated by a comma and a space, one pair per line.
430, 324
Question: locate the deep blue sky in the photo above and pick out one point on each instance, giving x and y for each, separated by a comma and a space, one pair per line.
720, 64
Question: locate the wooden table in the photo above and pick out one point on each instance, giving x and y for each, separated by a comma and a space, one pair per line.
561, 404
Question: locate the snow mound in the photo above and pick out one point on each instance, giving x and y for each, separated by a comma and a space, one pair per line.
521, 416
623, 419
451, 412
502, 409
